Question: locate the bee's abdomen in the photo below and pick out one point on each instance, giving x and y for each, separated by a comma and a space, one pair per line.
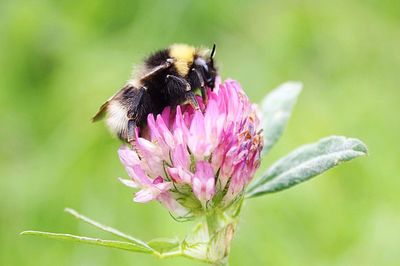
117, 119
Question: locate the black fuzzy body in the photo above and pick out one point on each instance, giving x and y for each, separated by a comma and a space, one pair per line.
163, 92
153, 91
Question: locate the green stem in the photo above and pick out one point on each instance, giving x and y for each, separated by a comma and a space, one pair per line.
220, 227
212, 224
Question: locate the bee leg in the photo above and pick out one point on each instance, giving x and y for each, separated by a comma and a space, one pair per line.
191, 99
202, 86
180, 81
178, 85
138, 107
131, 132
159, 68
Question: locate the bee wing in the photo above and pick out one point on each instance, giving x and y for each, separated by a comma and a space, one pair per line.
101, 113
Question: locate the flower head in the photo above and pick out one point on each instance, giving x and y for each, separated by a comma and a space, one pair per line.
195, 160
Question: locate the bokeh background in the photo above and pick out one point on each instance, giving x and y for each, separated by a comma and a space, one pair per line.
60, 60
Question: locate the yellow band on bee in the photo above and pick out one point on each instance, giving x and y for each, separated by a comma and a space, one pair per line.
184, 56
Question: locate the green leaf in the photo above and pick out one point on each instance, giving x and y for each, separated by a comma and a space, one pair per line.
306, 162
107, 228
163, 245
276, 110
92, 241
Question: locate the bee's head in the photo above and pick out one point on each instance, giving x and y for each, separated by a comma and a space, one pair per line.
206, 66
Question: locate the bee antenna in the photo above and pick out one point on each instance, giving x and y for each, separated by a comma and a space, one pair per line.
213, 52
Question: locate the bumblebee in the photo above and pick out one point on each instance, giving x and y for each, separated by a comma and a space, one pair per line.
168, 77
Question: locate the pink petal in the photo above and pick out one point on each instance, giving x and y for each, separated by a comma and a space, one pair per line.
203, 181
166, 113
140, 176
152, 157
166, 134
128, 182
180, 157
172, 205
179, 175
155, 134
181, 132
153, 190
145, 195
128, 156
197, 142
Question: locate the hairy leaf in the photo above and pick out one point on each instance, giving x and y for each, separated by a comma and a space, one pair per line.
107, 228
306, 162
276, 110
92, 241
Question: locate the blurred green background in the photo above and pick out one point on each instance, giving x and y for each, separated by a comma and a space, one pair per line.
60, 60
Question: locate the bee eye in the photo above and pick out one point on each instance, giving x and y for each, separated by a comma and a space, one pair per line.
201, 62
204, 68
